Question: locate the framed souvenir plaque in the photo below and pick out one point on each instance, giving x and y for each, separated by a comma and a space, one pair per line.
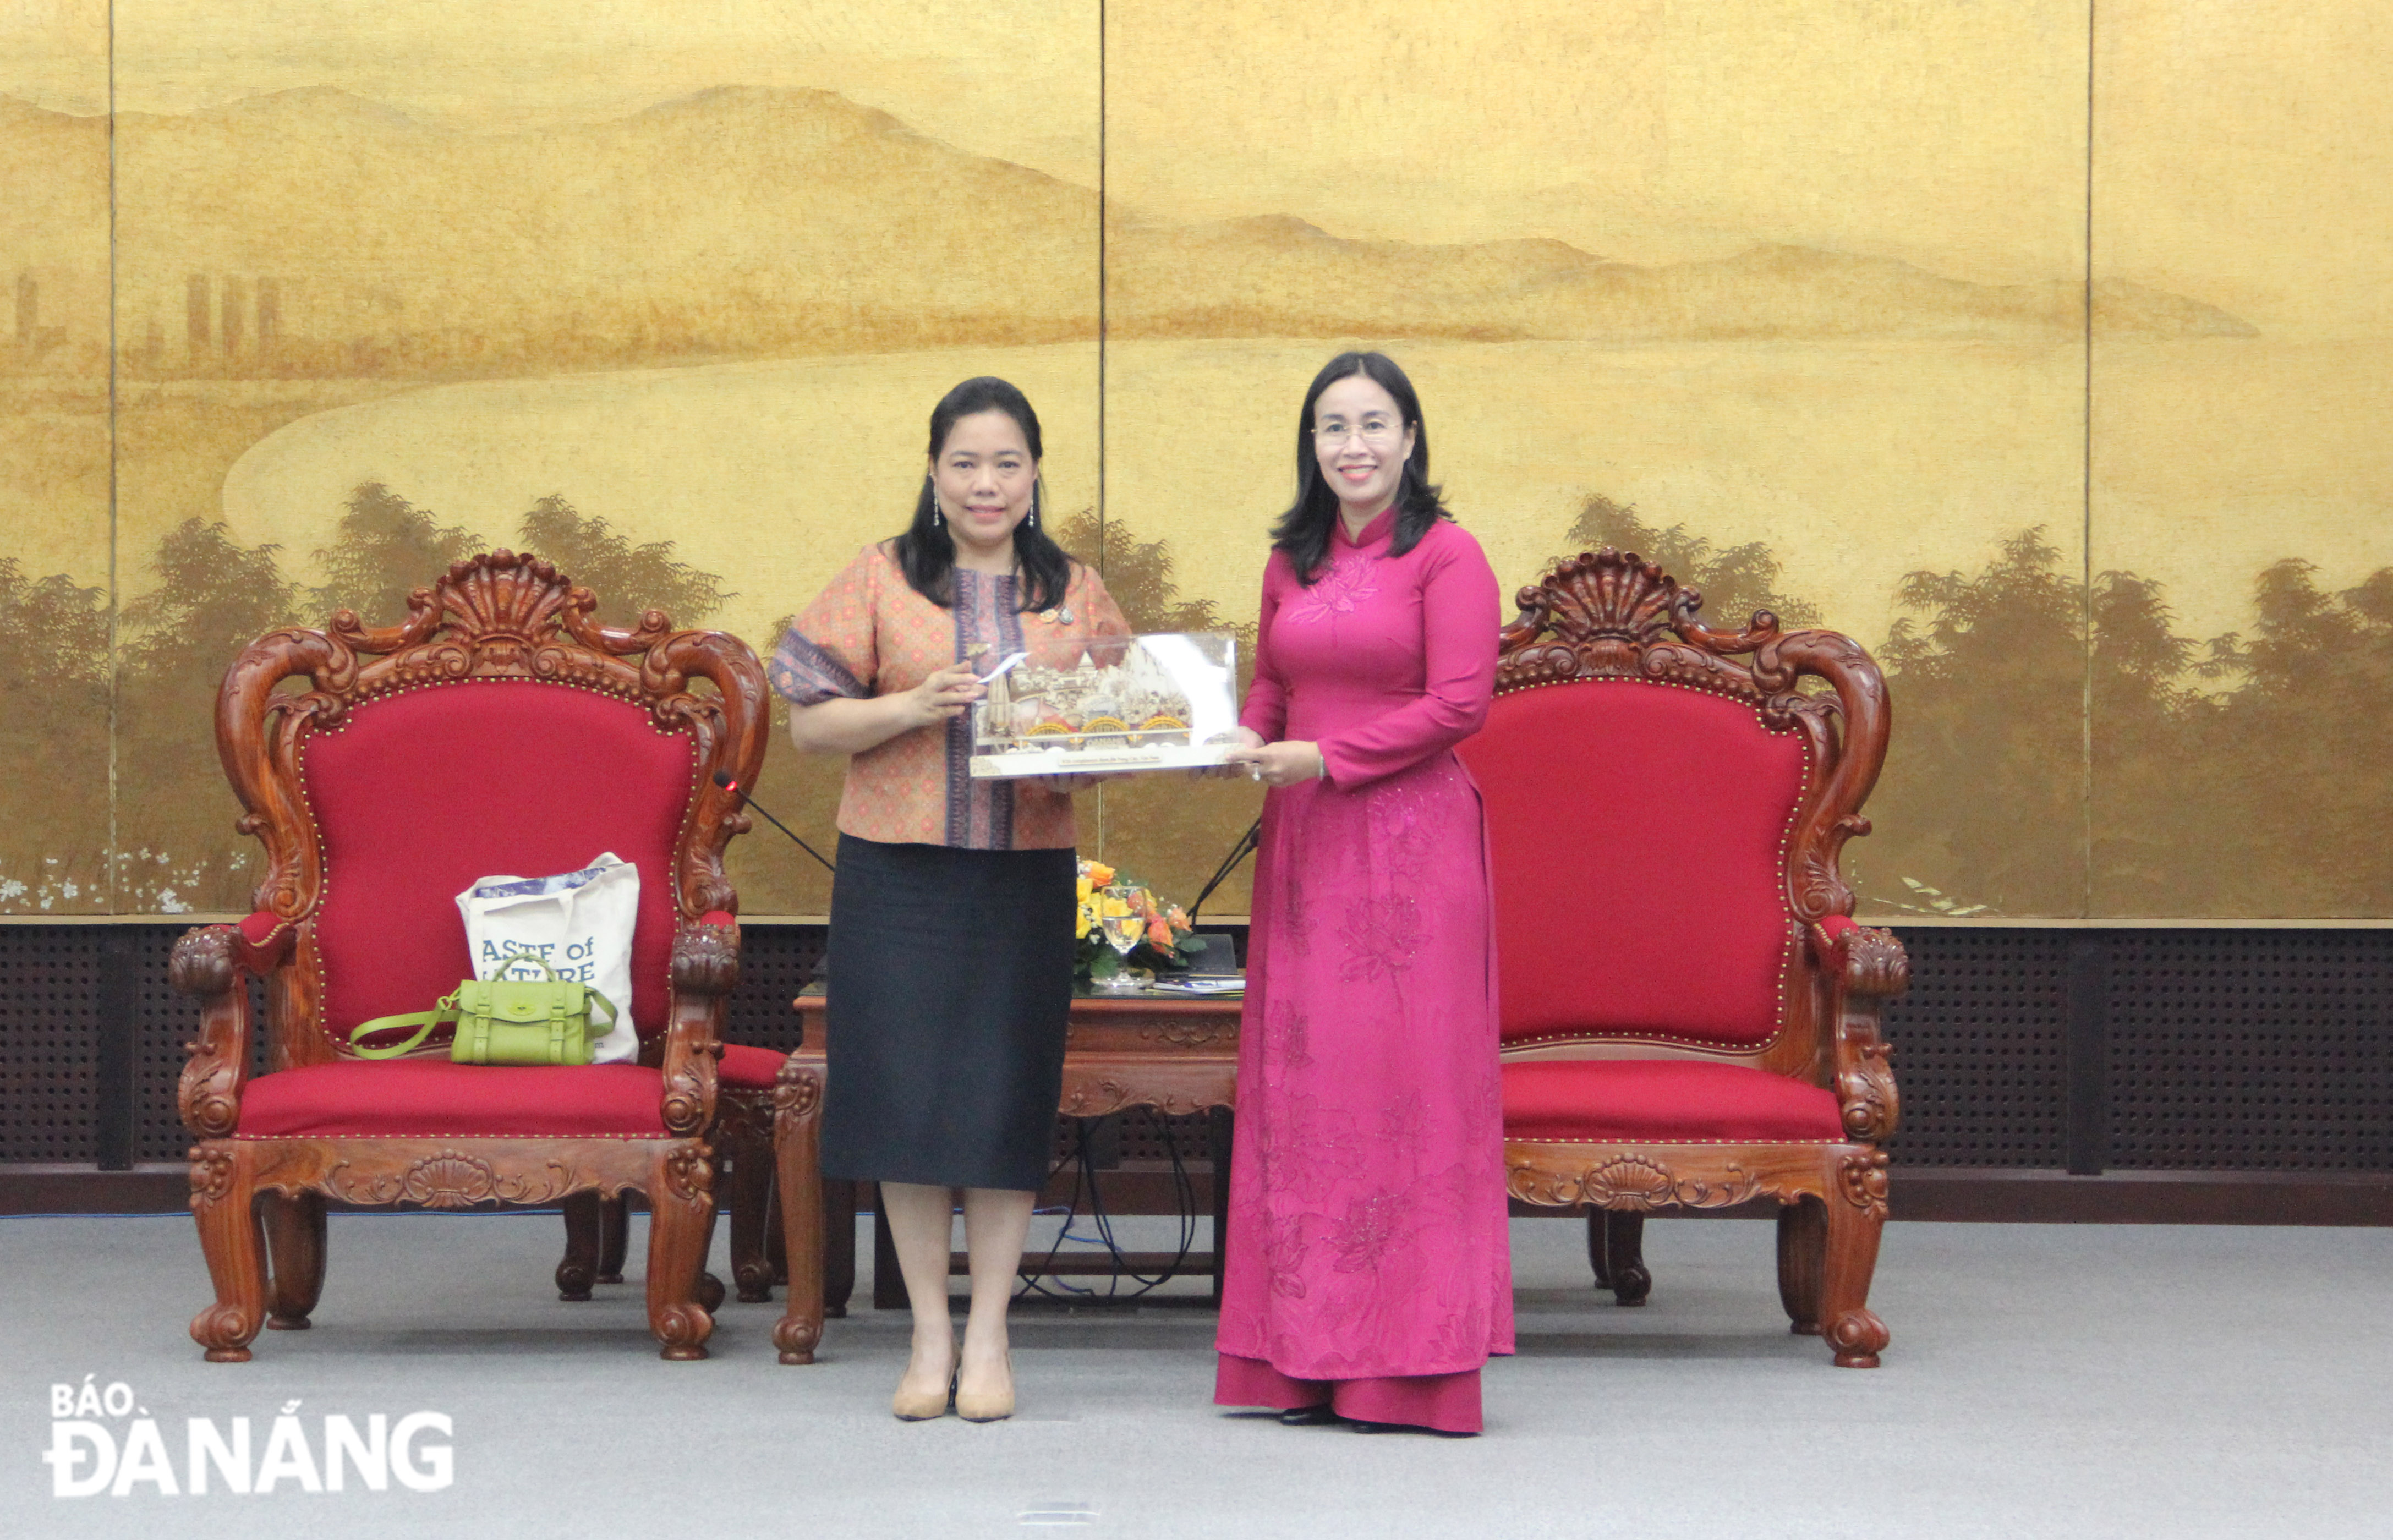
1159, 702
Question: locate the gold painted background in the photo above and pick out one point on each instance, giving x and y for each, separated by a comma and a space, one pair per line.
2047, 350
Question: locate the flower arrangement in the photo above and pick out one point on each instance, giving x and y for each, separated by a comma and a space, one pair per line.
1112, 905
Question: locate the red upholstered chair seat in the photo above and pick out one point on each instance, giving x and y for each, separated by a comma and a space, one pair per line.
432, 1098
744, 1068
1667, 1101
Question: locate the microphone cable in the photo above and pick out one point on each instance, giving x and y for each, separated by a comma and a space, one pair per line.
722, 779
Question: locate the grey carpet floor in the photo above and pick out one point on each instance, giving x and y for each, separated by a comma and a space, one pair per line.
2042, 1381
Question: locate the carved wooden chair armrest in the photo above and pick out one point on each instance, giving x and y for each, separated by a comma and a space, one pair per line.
1865, 967
213, 964
705, 970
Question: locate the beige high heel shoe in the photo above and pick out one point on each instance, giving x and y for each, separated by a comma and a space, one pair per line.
923, 1405
986, 1406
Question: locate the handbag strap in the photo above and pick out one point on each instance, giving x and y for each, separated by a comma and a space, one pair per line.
422, 1021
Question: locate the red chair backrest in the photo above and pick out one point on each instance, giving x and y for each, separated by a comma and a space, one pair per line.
497, 730
1640, 833
418, 792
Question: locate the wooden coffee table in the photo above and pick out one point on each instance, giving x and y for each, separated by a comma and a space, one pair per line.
1128, 1048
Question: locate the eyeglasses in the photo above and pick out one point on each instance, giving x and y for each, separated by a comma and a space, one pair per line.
1374, 430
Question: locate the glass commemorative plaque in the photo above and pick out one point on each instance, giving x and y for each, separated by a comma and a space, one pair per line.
1158, 702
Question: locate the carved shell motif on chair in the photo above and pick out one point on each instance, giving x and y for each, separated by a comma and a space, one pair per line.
1613, 613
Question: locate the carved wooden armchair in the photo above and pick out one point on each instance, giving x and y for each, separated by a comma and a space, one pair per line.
1690, 1015
499, 728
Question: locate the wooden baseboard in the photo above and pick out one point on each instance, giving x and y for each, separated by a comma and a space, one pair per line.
1944, 1193
63, 1187
2143, 1198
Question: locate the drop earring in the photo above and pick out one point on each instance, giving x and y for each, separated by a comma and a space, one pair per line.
937, 518
1033, 519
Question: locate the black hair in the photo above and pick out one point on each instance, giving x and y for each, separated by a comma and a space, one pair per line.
927, 552
1304, 531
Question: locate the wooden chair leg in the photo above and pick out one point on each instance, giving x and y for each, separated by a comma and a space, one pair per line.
839, 1246
1616, 1247
797, 1153
777, 1253
1624, 1259
711, 1292
294, 1245
746, 1138
225, 1205
681, 1218
1802, 1234
1853, 1215
579, 1268
614, 1236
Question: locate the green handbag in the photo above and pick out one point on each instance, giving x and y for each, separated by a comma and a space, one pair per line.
504, 1022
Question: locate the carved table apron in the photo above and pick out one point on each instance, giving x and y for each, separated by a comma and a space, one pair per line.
1133, 1049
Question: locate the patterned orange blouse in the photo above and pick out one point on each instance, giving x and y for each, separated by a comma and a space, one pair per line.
869, 633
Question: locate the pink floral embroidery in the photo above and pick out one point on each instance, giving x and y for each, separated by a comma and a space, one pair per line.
1381, 943
1338, 590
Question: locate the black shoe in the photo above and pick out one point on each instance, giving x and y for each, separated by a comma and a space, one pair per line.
1310, 1416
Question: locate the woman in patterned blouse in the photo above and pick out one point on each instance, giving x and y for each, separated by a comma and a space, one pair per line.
950, 976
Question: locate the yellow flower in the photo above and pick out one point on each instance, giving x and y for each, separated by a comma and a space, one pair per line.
1113, 906
1087, 887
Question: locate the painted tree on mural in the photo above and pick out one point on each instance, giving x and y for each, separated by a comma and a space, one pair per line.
2227, 776
629, 580
1174, 830
383, 549
1982, 793
54, 690
176, 846
2288, 777
175, 814
2237, 775
1141, 576
1735, 583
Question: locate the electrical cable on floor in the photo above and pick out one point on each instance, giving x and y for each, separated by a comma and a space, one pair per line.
1085, 1183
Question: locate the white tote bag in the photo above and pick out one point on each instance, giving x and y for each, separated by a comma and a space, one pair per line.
579, 922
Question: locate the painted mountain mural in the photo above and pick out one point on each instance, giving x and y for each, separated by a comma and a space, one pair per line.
315, 233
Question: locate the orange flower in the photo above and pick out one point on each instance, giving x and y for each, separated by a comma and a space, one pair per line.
1101, 874
1159, 936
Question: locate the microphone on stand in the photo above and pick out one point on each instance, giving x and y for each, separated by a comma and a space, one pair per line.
1239, 852
722, 779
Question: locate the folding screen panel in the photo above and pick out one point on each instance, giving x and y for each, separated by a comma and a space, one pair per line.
664, 296
1791, 295
54, 460
2242, 487
1786, 294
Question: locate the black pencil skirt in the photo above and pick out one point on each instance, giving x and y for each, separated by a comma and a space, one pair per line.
949, 985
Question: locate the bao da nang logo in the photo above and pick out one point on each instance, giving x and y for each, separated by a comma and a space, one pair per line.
104, 1441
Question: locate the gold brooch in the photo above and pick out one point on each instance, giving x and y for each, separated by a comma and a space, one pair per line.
1061, 615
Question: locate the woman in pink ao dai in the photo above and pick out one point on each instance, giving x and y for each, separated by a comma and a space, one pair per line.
1369, 1276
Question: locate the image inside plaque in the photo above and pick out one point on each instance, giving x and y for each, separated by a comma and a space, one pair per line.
1156, 702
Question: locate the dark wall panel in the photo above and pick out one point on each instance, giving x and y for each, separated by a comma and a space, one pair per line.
2259, 1048
2033, 1049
